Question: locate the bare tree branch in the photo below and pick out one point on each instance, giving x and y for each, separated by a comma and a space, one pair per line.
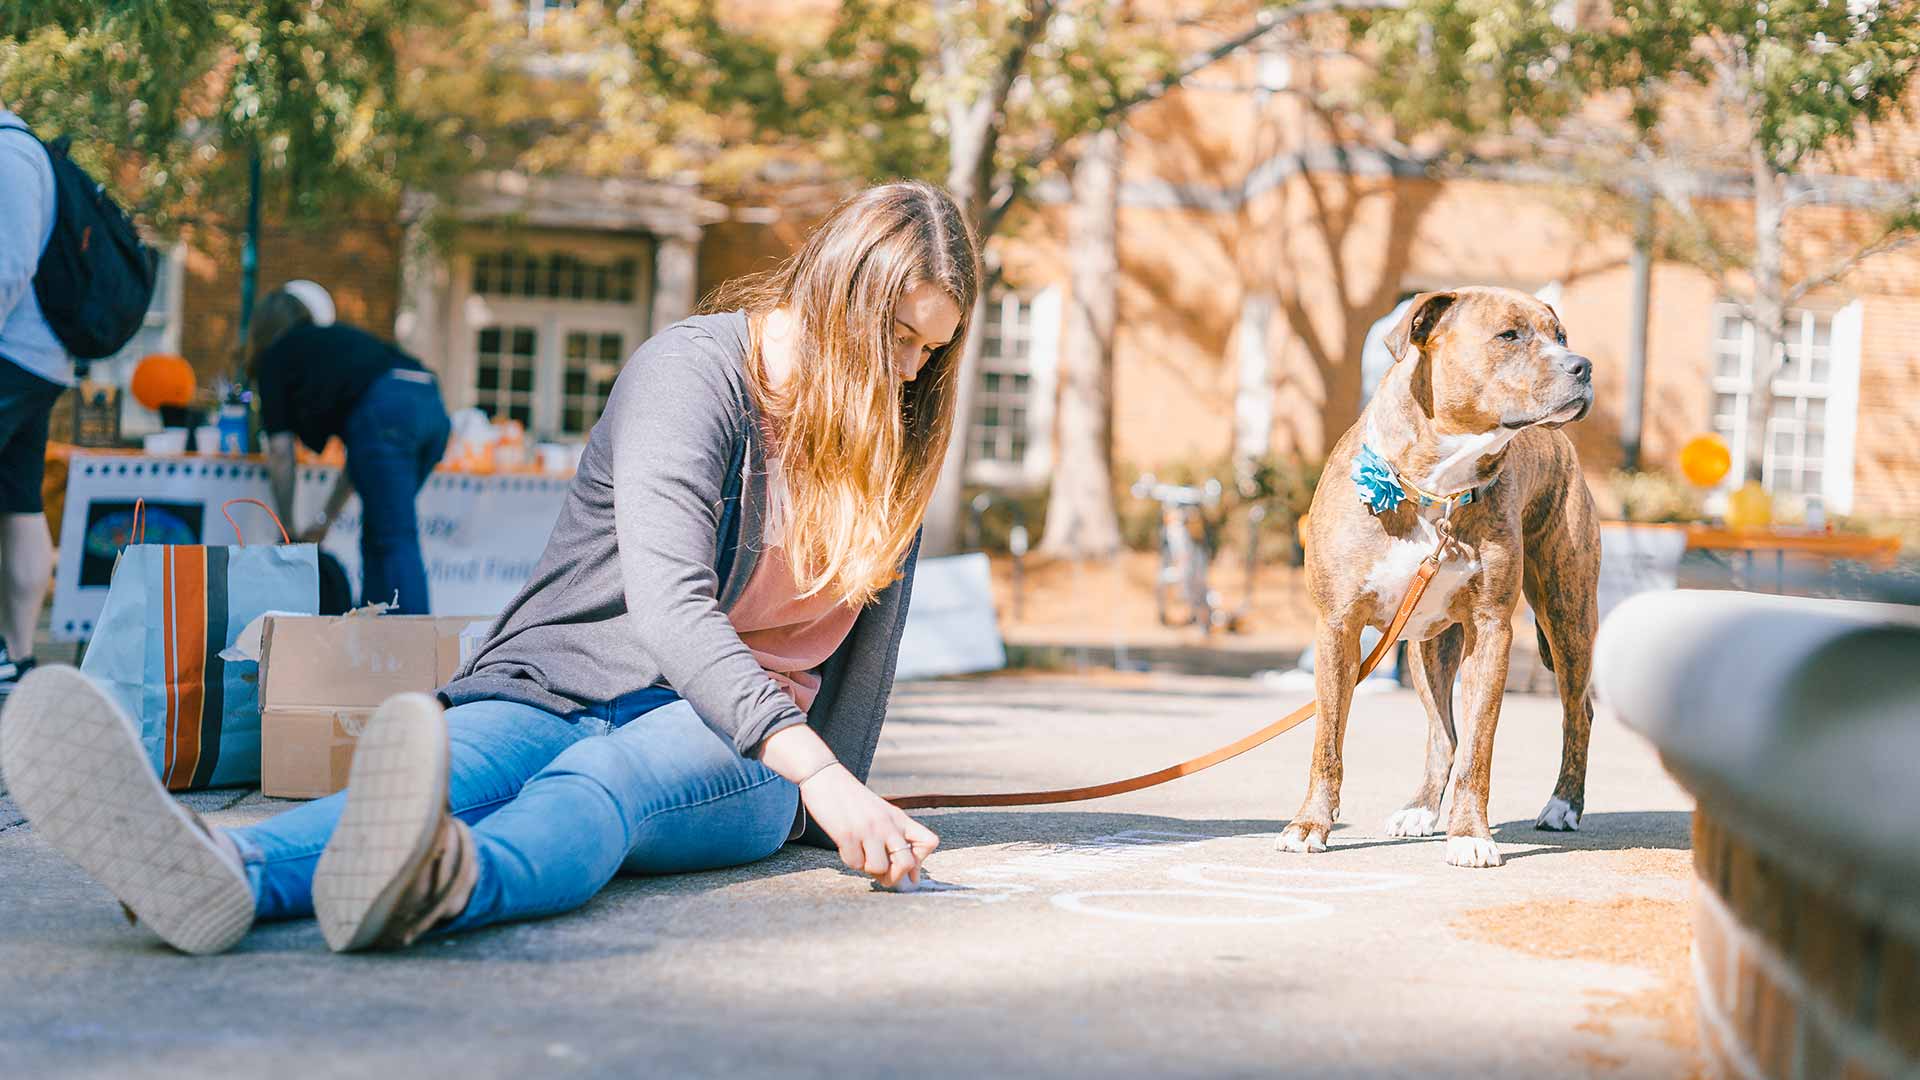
1004, 197
1676, 190
1723, 288
976, 134
1266, 23
1893, 239
1798, 195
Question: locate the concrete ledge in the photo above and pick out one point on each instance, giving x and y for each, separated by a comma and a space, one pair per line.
1796, 724
1798, 719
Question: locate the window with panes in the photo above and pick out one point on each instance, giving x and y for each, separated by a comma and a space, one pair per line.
1004, 395
555, 277
504, 363
510, 375
591, 362
1795, 440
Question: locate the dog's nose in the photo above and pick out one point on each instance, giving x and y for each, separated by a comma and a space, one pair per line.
1577, 366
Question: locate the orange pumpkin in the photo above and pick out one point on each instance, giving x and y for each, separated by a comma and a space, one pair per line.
1705, 460
163, 379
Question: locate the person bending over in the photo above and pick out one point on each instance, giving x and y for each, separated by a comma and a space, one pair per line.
318, 379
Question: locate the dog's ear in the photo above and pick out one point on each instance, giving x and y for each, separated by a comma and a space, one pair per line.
1423, 314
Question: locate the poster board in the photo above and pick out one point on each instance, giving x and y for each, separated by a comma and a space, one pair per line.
951, 627
182, 499
481, 535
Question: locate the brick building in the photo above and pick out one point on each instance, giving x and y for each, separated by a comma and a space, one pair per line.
1262, 255
1259, 252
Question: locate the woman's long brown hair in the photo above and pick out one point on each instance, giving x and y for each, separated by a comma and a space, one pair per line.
860, 450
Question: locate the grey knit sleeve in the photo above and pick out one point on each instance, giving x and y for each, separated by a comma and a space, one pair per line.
674, 414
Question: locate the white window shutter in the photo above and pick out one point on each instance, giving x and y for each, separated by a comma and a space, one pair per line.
1253, 394
1843, 408
1043, 365
1374, 357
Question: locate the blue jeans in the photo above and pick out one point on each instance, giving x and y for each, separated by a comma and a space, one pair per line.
558, 807
395, 435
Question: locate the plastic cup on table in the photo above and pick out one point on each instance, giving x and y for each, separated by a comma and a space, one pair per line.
555, 459
166, 441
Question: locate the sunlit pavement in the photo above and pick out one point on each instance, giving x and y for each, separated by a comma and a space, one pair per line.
1154, 934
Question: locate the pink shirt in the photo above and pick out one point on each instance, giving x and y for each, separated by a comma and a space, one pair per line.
790, 636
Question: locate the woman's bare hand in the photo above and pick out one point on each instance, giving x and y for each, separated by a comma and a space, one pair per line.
874, 836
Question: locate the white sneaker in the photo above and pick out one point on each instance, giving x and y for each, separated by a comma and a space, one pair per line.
378, 873
74, 762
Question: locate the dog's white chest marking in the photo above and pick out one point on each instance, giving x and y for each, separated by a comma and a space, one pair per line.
1458, 456
1392, 576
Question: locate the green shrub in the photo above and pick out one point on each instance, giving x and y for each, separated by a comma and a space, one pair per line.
1654, 495
1281, 484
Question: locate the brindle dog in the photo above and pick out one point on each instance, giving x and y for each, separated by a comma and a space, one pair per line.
1465, 428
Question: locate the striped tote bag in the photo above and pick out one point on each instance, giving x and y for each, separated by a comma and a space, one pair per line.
171, 609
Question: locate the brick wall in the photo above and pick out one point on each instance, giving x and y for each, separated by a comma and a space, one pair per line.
357, 261
731, 249
1887, 451
1797, 980
1337, 250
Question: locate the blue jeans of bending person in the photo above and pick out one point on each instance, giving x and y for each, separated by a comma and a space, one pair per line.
558, 807
395, 435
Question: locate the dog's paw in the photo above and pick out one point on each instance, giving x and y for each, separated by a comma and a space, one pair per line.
1472, 851
1413, 821
1559, 816
1303, 839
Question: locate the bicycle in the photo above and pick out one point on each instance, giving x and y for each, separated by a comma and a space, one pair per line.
1188, 540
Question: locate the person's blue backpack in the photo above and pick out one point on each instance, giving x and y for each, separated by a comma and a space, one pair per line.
96, 277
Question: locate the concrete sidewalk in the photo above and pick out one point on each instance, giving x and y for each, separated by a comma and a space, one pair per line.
1152, 935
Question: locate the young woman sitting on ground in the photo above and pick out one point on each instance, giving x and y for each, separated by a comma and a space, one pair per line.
695, 674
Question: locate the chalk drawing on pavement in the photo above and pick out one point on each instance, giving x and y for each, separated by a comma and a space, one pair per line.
1287, 879
1265, 907
1062, 863
1219, 894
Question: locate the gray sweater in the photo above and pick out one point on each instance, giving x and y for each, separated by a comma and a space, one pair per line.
655, 542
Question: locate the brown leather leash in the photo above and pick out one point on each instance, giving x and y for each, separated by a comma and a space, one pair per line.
1421, 577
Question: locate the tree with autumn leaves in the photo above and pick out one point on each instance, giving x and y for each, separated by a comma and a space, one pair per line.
987, 96
191, 110
345, 100
1701, 125
331, 101
1669, 112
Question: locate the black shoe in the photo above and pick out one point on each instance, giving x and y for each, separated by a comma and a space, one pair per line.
11, 671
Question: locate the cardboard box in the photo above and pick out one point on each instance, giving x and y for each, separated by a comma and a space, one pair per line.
321, 678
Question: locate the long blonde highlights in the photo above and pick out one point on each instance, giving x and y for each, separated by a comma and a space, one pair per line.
860, 450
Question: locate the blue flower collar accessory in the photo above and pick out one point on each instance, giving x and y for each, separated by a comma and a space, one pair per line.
1383, 490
